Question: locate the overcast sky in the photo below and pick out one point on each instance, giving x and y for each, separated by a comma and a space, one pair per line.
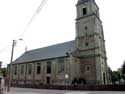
55, 24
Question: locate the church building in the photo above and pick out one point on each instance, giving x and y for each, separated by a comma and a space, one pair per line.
81, 61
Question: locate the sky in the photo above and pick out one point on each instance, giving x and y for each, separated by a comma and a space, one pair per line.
55, 23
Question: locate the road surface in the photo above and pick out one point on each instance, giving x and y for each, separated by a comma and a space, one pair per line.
43, 91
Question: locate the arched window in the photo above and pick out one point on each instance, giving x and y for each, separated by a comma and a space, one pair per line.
29, 69
38, 68
22, 69
60, 65
15, 70
48, 67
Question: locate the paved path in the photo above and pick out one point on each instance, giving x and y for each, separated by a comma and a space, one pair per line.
43, 91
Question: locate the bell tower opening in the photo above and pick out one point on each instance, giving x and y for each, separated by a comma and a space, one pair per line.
84, 11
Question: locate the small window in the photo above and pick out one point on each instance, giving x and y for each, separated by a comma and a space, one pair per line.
84, 10
87, 68
86, 28
87, 44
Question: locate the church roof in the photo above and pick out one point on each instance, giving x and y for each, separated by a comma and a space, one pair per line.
83, 1
54, 51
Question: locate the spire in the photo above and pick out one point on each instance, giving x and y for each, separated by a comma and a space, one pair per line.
83, 1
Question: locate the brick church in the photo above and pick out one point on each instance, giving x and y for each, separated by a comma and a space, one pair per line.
81, 61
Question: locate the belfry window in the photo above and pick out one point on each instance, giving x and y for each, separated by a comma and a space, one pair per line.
84, 11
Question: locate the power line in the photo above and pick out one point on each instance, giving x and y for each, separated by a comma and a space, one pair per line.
34, 16
30, 21
6, 47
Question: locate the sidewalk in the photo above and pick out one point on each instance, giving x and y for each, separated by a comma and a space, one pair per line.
34, 91
43, 91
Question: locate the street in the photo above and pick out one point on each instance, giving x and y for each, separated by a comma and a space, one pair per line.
43, 91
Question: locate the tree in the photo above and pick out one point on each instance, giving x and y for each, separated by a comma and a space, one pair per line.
81, 81
115, 75
75, 81
3, 71
123, 70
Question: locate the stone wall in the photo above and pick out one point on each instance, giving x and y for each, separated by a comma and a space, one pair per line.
26, 73
80, 87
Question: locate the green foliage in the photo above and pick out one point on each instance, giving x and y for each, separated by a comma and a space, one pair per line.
123, 70
115, 75
4, 70
79, 81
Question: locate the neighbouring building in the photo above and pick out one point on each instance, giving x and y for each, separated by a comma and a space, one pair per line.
82, 60
1, 76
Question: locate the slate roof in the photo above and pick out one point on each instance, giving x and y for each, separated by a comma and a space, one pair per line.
83, 1
54, 51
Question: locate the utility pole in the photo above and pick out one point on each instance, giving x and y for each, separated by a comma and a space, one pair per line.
10, 67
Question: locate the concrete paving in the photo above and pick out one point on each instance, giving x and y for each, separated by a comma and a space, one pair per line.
43, 91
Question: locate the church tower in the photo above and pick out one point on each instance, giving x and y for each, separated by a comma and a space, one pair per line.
90, 43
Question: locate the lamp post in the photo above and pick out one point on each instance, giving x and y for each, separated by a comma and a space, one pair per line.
10, 66
66, 77
68, 73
